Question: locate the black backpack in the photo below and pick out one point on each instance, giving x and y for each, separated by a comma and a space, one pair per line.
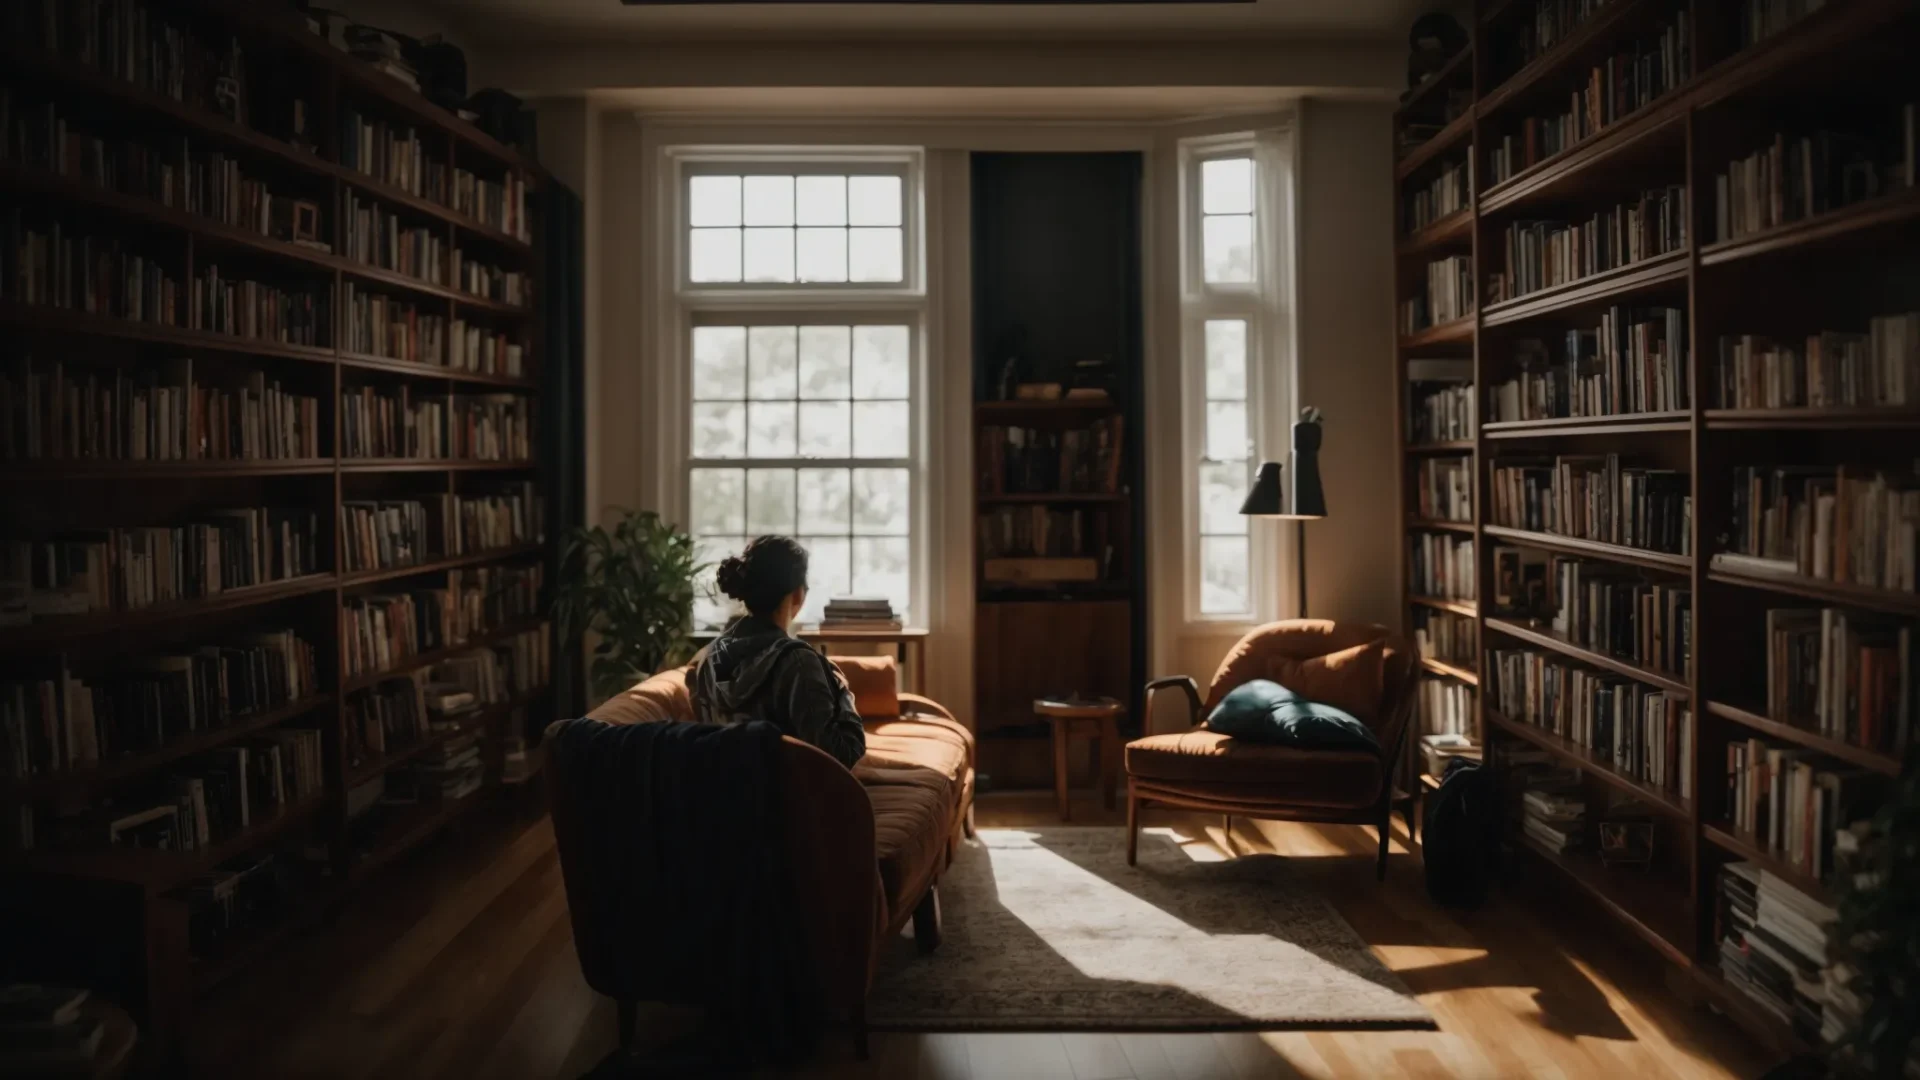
1462, 841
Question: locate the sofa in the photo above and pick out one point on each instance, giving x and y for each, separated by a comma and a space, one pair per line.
865, 848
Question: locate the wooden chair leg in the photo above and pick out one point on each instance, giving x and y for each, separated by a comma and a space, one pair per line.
1386, 835
1060, 769
1133, 825
926, 921
629, 1013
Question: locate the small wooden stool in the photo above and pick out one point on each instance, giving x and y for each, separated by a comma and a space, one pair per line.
1098, 717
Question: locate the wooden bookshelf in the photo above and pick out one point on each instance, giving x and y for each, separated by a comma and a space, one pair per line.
1828, 271
97, 493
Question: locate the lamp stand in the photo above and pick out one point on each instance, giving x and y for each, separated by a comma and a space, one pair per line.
1300, 559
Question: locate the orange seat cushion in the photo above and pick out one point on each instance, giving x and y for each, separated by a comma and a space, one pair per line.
911, 744
1200, 759
912, 809
875, 683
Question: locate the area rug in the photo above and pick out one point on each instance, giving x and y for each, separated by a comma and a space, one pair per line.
1049, 929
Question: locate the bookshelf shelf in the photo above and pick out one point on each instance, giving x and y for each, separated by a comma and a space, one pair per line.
1812, 740
1440, 526
1596, 289
1743, 1011
64, 631
1724, 836
1831, 592
1661, 916
1628, 145
431, 657
143, 470
1456, 332
1451, 446
1442, 77
158, 871
1597, 31
1455, 228
1451, 671
56, 320
1445, 139
1592, 762
454, 562
1835, 419
435, 372
1630, 556
1618, 424
406, 465
1887, 211
1458, 607
1547, 639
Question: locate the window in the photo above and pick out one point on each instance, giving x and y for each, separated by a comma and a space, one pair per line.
801, 341
1233, 347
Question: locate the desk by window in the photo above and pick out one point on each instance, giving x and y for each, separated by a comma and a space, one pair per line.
909, 647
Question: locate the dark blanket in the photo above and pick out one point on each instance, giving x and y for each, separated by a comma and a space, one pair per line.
669, 838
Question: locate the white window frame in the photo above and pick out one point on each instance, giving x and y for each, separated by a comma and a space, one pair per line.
803, 303
1264, 305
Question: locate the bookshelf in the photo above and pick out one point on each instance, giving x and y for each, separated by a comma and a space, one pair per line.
407, 378
1627, 360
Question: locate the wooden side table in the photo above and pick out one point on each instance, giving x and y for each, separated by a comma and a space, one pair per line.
1099, 719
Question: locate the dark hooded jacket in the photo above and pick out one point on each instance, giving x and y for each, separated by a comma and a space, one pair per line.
756, 671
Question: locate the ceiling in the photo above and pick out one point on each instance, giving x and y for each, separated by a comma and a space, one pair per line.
601, 21
971, 103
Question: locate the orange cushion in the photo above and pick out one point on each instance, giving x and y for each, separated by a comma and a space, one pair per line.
1350, 679
875, 686
1208, 762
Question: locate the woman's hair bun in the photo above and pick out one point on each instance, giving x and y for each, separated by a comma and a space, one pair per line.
731, 576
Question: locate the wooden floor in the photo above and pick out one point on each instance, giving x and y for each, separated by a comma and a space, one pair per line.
460, 964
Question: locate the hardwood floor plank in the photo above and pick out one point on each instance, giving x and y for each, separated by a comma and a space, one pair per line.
1146, 1055
1025, 1055
1097, 1056
944, 1056
1195, 1056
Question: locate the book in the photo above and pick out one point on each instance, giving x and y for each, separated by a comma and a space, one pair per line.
1543, 254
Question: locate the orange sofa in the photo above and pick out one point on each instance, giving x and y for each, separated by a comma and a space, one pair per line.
865, 848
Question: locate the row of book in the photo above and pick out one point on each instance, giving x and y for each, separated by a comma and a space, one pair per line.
1854, 676
1443, 489
1851, 524
1635, 361
1644, 733
393, 154
383, 630
1043, 532
48, 413
44, 264
499, 205
394, 533
1446, 708
1449, 295
1760, 19
377, 237
126, 569
1593, 497
1441, 412
1544, 24
400, 711
1442, 566
491, 282
1542, 254
1616, 87
380, 325
1773, 947
1604, 609
137, 44
1025, 460
1791, 803
1795, 177
1445, 636
1443, 196
397, 424
507, 669
256, 310
1831, 368
63, 721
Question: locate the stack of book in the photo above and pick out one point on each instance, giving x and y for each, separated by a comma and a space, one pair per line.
386, 718
382, 52
1852, 524
1446, 708
1634, 361
1440, 750
1592, 497
1773, 946
1545, 254
501, 205
1833, 368
1442, 566
452, 770
42, 1031
859, 613
1794, 177
1855, 674
485, 350
1555, 812
35, 257
1792, 804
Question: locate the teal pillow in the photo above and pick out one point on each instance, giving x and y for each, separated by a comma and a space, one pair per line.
1266, 712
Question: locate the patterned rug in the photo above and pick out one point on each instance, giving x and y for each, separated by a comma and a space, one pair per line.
1049, 929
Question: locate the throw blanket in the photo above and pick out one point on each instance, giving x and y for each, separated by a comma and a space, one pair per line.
669, 841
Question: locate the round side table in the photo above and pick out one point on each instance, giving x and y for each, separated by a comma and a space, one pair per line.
1099, 719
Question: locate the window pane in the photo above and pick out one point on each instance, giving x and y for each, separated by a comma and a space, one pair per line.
829, 560
880, 502
825, 429
714, 255
822, 255
874, 255
710, 608
820, 200
1227, 359
880, 569
1224, 586
769, 255
880, 429
873, 200
880, 361
771, 429
826, 370
719, 429
717, 502
1226, 186
826, 501
713, 200
1227, 249
719, 363
771, 363
769, 200
1227, 431
770, 506
1223, 487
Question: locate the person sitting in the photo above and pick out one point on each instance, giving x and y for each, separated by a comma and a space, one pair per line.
757, 670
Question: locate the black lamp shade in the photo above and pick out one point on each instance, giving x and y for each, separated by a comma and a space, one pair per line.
1309, 498
1266, 499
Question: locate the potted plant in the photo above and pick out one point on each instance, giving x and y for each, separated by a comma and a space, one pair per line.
633, 588
1876, 940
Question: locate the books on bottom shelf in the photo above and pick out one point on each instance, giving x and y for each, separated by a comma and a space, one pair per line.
43, 1031
1773, 947
1554, 811
1438, 751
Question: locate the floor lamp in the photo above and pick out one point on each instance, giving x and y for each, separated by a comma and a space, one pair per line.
1269, 499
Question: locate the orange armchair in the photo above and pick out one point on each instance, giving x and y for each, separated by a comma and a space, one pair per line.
1374, 671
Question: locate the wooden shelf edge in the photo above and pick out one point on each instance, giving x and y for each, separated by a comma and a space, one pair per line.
407, 665
1438, 78
1588, 761
62, 321
1450, 229
1447, 333
1829, 591
95, 469
1548, 640
1590, 31
1584, 872
1456, 129
434, 371
1466, 608
1616, 424
1885, 764
371, 577
1620, 281
1543, 176
1722, 835
1451, 671
1450, 446
1440, 526
56, 631
1895, 209
1630, 556
1834, 417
